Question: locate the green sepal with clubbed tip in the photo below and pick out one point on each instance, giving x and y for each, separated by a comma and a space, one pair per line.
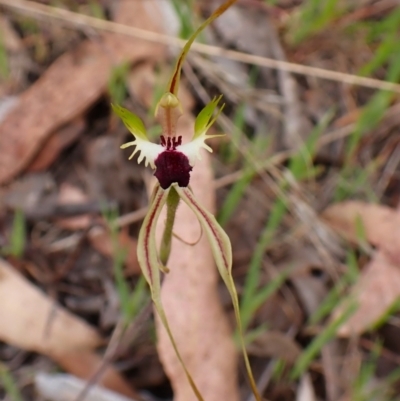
205, 118
132, 121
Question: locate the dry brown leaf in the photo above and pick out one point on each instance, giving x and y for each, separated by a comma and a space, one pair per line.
62, 138
32, 321
68, 87
377, 289
56, 98
25, 319
378, 286
380, 223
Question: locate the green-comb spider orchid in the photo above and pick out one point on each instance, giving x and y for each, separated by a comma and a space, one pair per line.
173, 162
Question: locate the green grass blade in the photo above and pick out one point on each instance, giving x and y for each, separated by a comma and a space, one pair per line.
9, 384
117, 86
253, 275
119, 256
18, 235
375, 109
300, 164
336, 293
308, 355
235, 195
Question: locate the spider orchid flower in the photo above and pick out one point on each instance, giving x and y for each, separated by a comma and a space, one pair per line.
173, 162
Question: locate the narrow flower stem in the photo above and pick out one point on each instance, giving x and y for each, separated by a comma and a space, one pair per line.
173, 84
235, 301
160, 310
165, 246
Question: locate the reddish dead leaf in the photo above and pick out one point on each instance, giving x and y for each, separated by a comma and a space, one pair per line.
62, 138
380, 223
24, 309
377, 289
53, 100
379, 284
68, 87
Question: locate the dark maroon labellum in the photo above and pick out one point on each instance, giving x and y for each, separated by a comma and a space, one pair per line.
172, 166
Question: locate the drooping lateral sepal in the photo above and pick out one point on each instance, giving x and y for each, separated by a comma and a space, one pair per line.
222, 252
219, 240
150, 265
204, 121
147, 248
148, 151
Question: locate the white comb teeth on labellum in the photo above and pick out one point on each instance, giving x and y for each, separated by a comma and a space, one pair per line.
172, 160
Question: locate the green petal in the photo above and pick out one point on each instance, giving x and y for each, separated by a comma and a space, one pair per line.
204, 120
132, 121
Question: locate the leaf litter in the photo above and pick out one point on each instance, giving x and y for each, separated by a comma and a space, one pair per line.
378, 286
62, 168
